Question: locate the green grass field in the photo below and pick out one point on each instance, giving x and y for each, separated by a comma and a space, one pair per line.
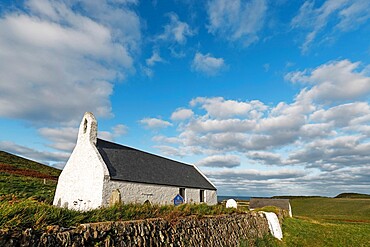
328, 222
24, 178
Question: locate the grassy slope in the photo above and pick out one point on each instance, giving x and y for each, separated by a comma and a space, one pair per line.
22, 163
328, 222
353, 195
25, 178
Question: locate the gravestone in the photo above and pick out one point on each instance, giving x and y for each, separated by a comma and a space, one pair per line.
115, 197
231, 203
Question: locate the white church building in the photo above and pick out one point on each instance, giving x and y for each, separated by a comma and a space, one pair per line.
100, 173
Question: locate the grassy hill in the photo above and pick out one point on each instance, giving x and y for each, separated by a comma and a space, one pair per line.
353, 195
25, 178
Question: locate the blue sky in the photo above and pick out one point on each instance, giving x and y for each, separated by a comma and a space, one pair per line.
265, 97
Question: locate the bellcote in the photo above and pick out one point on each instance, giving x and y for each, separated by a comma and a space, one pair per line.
88, 131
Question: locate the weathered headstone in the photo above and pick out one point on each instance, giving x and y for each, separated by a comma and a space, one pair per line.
231, 203
115, 197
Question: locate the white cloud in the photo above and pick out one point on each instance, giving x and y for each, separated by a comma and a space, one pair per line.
176, 31
116, 131
155, 123
335, 15
164, 139
236, 20
221, 125
147, 71
169, 151
342, 115
155, 58
333, 82
181, 114
30, 153
118, 16
267, 158
325, 128
290, 182
58, 63
207, 64
333, 154
354, 15
227, 161
220, 108
253, 175
63, 138
321, 130
119, 130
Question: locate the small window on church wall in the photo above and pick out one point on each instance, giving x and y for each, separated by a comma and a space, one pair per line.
85, 126
182, 192
201, 196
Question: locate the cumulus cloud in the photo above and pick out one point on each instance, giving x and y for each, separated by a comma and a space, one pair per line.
116, 131
250, 174
342, 115
226, 161
58, 63
45, 157
176, 31
236, 20
169, 151
267, 158
323, 133
181, 114
335, 81
221, 125
63, 138
207, 64
218, 107
333, 154
154, 123
60, 60
290, 182
343, 15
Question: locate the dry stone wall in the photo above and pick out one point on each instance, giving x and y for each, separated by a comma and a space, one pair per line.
222, 230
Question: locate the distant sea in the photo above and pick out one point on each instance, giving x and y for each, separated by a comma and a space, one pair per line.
221, 198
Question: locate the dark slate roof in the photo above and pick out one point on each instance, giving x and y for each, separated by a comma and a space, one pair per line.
263, 202
129, 164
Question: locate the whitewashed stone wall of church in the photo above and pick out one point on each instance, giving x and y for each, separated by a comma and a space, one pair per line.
156, 194
80, 185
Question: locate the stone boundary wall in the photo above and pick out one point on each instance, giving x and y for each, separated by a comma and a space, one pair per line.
221, 230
